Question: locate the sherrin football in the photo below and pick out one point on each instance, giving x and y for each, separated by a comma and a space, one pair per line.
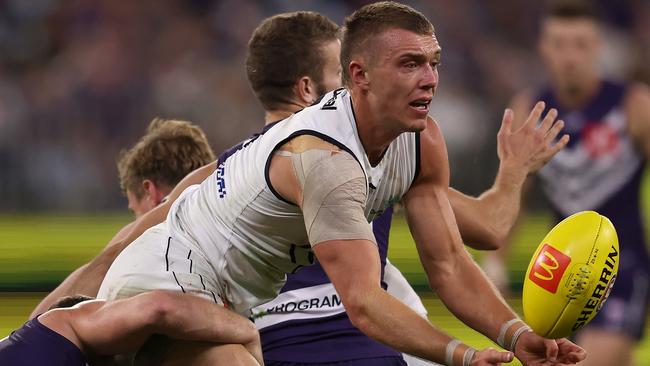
571, 275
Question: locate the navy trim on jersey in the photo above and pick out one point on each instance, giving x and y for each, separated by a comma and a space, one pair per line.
321, 136
228, 153
383, 153
418, 157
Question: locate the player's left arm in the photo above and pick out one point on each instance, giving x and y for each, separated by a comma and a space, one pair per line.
122, 326
637, 110
485, 222
451, 271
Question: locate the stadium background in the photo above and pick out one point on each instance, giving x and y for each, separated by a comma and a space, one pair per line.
80, 80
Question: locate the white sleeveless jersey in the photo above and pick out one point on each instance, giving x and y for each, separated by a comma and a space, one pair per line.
249, 234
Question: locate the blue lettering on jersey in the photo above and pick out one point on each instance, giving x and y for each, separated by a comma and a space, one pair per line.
220, 181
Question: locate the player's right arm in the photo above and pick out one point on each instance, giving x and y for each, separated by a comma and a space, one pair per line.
86, 279
452, 272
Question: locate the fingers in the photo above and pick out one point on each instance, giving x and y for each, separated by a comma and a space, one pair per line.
548, 120
573, 353
552, 349
534, 115
553, 131
506, 122
491, 356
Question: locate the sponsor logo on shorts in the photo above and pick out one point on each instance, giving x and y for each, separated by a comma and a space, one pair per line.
549, 268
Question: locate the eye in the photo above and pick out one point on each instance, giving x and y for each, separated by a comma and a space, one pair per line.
411, 65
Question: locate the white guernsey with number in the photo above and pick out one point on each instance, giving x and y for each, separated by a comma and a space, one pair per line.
250, 235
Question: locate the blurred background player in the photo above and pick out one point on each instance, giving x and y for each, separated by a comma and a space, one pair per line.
148, 172
166, 154
601, 168
94, 330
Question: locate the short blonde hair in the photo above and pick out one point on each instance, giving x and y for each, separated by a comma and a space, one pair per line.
168, 152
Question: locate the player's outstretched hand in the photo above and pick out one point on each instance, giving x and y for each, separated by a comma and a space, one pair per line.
533, 350
491, 357
530, 147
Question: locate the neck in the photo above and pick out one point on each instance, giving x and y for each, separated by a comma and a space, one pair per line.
282, 111
374, 137
577, 97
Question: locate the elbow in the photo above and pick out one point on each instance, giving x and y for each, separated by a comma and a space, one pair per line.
358, 314
489, 239
494, 241
157, 306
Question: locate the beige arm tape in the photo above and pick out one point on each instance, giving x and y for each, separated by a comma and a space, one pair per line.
334, 195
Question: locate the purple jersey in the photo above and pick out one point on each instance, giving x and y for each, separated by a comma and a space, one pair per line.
601, 170
35, 344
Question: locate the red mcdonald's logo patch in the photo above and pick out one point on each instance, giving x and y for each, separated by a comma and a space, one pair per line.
549, 268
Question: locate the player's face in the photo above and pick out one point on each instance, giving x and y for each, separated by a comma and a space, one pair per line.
403, 77
570, 50
331, 80
139, 206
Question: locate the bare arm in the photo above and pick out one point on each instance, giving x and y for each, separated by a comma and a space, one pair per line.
451, 271
86, 279
485, 222
440, 247
122, 326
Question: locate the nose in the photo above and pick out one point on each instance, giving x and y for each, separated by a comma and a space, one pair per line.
429, 78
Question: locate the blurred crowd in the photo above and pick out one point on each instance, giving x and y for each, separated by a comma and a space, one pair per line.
81, 79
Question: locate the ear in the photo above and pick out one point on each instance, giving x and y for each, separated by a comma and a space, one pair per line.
305, 91
152, 192
358, 75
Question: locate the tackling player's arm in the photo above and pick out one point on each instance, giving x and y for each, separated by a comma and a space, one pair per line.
485, 222
451, 271
122, 326
86, 279
637, 110
330, 187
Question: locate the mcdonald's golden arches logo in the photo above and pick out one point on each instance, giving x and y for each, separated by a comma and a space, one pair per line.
549, 268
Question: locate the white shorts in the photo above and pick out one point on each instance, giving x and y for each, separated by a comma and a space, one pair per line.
156, 261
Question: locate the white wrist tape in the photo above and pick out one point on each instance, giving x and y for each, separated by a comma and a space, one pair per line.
449, 352
517, 334
509, 343
468, 356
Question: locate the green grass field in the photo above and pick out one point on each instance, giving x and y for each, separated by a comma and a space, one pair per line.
37, 252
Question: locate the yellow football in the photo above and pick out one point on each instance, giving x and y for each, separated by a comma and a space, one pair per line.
571, 275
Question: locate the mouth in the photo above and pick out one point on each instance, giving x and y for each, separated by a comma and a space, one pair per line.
421, 105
